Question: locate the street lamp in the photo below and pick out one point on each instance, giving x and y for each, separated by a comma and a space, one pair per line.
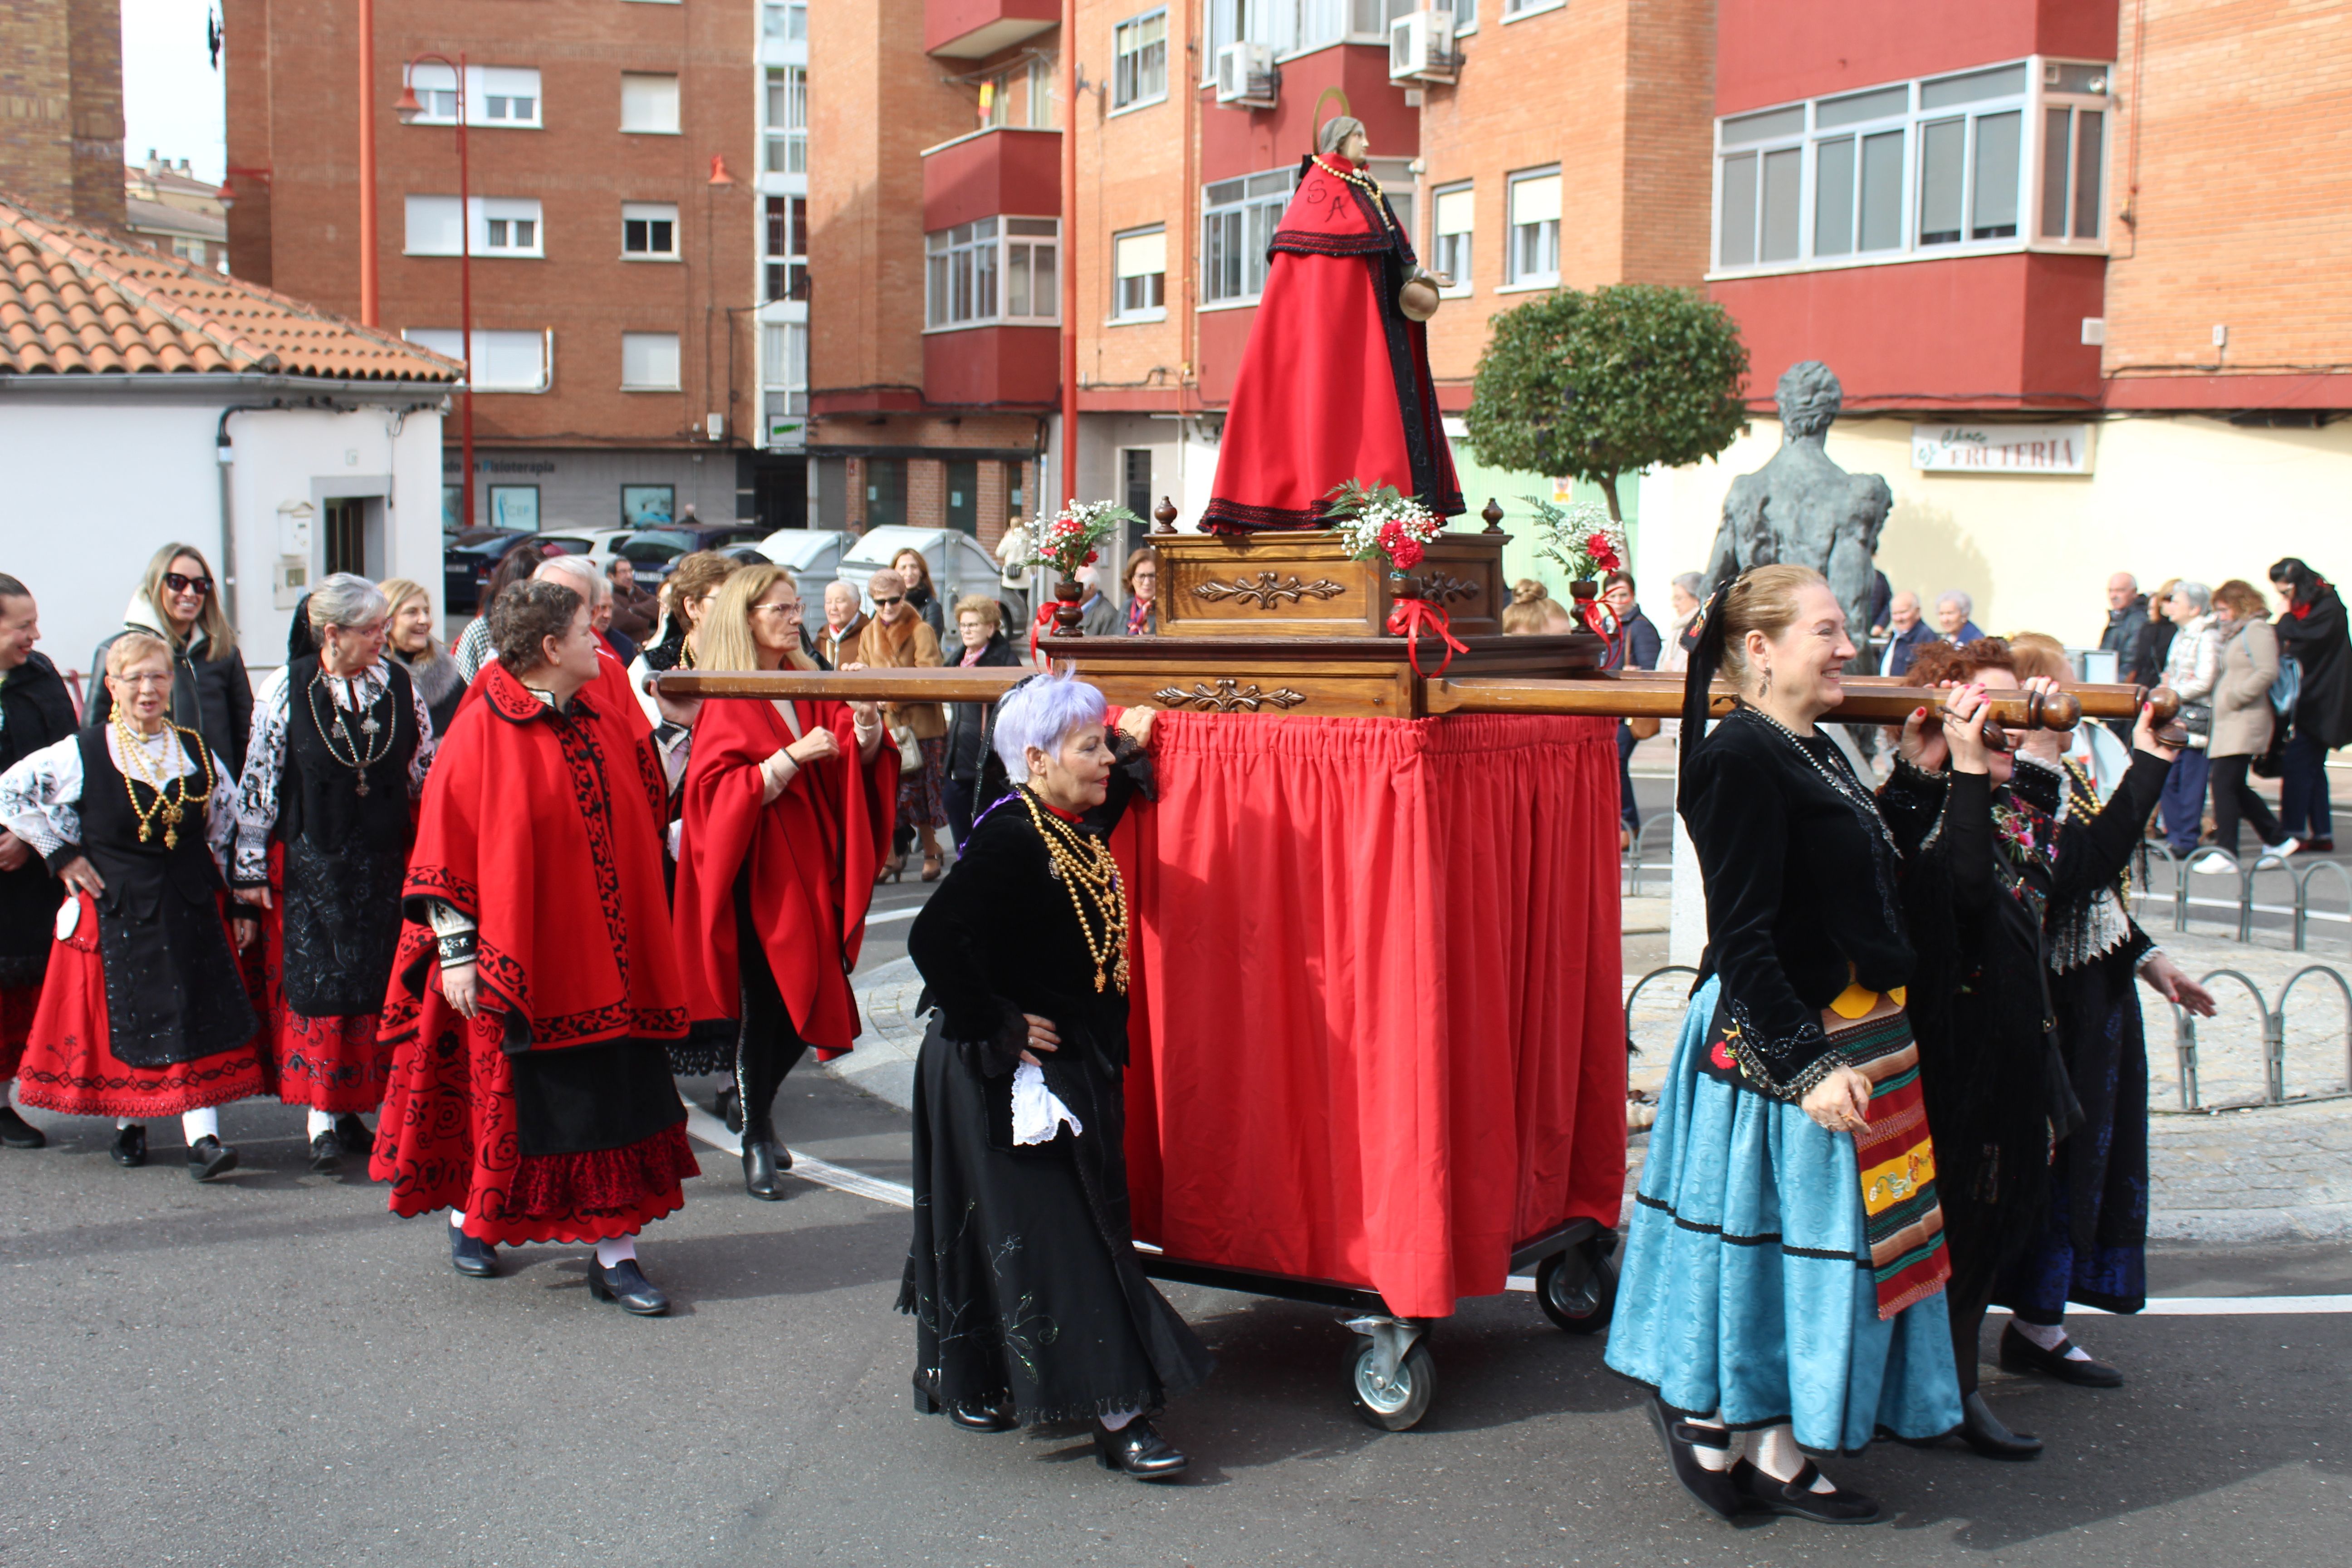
410, 110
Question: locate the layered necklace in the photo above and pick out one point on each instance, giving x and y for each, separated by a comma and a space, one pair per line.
1362, 182
359, 754
1839, 779
171, 802
1083, 864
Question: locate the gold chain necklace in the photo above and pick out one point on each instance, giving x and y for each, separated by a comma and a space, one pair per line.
364, 754
1363, 182
1082, 861
171, 794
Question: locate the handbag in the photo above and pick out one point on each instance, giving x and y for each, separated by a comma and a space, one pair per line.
910, 750
2197, 718
2287, 689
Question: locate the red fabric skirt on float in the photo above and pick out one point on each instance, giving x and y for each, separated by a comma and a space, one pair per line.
1377, 1031
338, 1064
450, 1138
68, 1065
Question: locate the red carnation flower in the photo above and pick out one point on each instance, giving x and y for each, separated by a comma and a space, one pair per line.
1603, 552
1092, 556
1406, 553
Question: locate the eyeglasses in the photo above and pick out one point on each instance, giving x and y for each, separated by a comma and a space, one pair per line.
152, 679
179, 584
789, 607
893, 599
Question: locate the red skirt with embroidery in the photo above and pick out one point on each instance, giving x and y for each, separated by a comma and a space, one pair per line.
338, 1064
68, 1064
18, 1005
449, 1138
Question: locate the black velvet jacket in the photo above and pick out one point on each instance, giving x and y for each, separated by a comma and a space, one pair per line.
1800, 892
35, 711
1000, 938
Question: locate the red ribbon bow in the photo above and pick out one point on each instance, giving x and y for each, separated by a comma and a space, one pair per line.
1045, 618
1406, 619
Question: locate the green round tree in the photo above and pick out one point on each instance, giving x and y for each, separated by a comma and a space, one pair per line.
1589, 386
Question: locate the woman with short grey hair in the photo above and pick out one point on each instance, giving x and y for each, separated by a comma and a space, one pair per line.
341, 740
2192, 667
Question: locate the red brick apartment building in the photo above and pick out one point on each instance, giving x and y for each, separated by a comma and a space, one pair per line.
637, 174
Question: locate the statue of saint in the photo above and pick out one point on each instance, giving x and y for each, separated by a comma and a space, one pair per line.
1335, 383
1804, 509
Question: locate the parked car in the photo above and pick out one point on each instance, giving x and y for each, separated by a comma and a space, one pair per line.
959, 564
654, 551
601, 545
467, 564
813, 555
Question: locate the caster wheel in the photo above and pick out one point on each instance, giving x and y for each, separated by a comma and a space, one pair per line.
1402, 1404
1578, 1288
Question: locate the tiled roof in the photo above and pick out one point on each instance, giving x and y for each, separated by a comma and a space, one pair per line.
76, 299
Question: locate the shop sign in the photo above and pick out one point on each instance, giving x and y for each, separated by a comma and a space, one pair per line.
787, 430
2002, 448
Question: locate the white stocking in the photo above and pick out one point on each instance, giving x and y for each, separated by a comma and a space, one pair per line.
456, 1219
197, 1125
318, 1121
2050, 1336
1778, 1456
618, 1250
1714, 1458
1118, 1422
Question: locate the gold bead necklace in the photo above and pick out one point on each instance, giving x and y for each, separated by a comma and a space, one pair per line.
170, 794
1083, 862
1362, 182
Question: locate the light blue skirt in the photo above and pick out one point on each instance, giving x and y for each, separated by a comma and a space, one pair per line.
1746, 1286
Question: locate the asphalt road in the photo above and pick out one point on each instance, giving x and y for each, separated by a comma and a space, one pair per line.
272, 1371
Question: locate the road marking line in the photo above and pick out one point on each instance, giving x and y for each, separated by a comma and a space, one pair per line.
896, 915
808, 1167
2230, 1306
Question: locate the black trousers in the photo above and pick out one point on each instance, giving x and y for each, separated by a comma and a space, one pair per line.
2234, 798
769, 1047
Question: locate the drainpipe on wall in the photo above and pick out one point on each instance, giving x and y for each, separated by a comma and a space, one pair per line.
228, 455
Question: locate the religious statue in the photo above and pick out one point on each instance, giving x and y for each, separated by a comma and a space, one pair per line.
1335, 383
1802, 508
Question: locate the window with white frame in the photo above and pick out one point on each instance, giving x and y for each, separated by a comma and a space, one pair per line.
991, 270
1395, 176
650, 361
1140, 274
1465, 15
1453, 224
1021, 94
649, 230
1955, 162
1521, 7
787, 120
1295, 26
649, 103
784, 253
783, 367
502, 360
784, 19
1140, 60
1531, 247
499, 227
1238, 218
498, 96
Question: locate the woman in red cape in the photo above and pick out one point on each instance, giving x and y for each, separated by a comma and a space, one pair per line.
529, 1092
1335, 383
787, 812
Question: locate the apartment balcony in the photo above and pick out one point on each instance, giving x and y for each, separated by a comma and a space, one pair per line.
974, 29
1002, 169
992, 367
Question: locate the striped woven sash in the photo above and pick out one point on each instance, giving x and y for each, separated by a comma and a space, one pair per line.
1902, 1219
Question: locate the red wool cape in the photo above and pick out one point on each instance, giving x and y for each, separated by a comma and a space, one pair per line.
1335, 384
811, 855
545, 829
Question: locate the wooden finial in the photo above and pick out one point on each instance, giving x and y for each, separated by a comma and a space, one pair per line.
1494, 515
1163, 516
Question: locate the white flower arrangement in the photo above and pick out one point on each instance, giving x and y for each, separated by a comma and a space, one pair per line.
1383, 523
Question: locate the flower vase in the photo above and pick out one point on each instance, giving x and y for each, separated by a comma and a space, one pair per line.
1067, 597
1404, 586
1584, 588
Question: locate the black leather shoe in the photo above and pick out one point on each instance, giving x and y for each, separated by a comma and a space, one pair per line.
15, 1132
209, 1157
763, 1172
326, 1153
471, 1256
2019, 1354
983, 1418
1138, 1450
129, 1145
1796, 1496
1982, 1430
354, 1135
1711, 1488
624, 1282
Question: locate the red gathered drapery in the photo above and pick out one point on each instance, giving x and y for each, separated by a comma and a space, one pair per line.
1377, 1031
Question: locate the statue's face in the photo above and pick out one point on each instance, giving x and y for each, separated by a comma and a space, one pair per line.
1356, 147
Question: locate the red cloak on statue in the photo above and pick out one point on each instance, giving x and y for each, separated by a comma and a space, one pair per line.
1335, 383
810, 854
549, 1116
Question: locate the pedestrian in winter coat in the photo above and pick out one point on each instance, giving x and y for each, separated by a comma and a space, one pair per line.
2191, 669
2243, 718
2313, 633
179, 600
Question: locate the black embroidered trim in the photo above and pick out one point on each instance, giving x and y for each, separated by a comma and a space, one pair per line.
459, 947
1302, 242
1240, 515
442, 883
1769, 1239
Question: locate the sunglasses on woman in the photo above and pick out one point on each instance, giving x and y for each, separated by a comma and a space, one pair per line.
179, 584
893, 599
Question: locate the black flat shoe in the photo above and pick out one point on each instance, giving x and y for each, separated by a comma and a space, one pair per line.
354, 1135
1796, 1496
2019, 1354
471, 1256
1982, 1430
624, 1282
129, 1145
1711, 1488
1138, 1450
983, 1418
15, 1132
209, 1157
326, 1155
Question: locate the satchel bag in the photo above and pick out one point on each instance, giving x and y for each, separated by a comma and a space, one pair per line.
910, 750
2287, 689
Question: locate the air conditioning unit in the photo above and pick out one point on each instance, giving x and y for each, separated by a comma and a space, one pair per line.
1245, 76
1421, 47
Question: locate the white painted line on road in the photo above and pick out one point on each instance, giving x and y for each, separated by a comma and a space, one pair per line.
909, 914
808, 1167
2230, 1306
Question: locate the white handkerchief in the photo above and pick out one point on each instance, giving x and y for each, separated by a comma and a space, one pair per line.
70, 918
1037, 1113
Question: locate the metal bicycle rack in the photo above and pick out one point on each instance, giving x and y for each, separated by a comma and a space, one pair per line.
2184, 1034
